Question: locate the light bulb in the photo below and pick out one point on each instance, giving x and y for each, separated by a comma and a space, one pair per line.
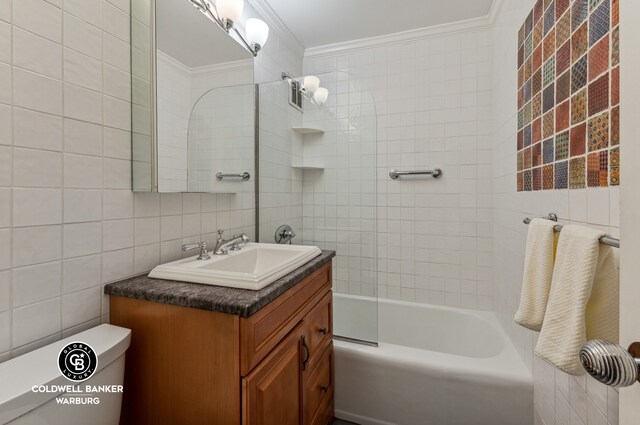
311, 83
257, 32
321, 95
230, 9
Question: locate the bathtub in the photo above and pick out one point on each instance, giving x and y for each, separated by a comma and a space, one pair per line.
433, 366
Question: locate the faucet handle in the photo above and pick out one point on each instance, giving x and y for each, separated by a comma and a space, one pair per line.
220, 233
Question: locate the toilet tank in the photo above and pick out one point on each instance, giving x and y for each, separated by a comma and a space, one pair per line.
33, 390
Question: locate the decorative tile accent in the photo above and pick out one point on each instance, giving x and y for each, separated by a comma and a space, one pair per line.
579, 12
568, 95
599, 95
598, 136
579, 75
536, 58
563, 58
598, 169
614, 126
599, 23
599, 59
563, 87
549, 71
615, 86
562, 146
536, 106
536, 154
537, 178
547, 177
548, 124
527, 181
520, 182
549, 45
561, 175
579, 107
578, 140
579, 43
614, 167
547, 151
577, 172
615, 47
562, 116
563, 29
561, 7
548, 98
549, 19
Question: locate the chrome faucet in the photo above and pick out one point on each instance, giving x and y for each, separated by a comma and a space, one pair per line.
224, 246
204, 255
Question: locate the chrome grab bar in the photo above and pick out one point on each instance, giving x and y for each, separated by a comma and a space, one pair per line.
607, 240
244, 176
435, 173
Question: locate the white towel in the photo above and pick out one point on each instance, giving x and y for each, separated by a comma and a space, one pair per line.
583, 303
538, 271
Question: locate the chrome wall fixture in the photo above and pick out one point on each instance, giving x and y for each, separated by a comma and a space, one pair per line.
226, 13
307, 87
244, 176
610, 363
607, 240
435, 173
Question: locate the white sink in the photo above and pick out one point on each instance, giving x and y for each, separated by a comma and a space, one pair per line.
255, 266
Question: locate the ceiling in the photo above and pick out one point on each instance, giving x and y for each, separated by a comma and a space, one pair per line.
321, 22
185, 34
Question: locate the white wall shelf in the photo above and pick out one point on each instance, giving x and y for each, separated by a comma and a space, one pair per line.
308, 130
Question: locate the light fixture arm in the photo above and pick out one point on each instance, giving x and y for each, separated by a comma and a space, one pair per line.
226, 24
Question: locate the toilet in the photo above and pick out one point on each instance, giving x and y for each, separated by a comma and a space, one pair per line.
34, 391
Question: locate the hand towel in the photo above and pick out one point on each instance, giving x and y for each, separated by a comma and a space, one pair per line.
538, 271
583, 303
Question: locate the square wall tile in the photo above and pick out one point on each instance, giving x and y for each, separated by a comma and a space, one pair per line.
578, 140
598, 169
577, 172
599, 22
599, 59
599, 95
598, 135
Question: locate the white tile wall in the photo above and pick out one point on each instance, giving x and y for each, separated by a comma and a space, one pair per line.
433, 100
69, 221
560, 399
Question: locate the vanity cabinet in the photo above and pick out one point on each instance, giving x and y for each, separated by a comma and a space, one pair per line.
190, 365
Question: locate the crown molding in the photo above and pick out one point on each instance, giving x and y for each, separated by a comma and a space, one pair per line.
265, 11
467, 25
220, 67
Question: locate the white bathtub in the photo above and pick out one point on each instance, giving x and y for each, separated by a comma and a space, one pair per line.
433, 366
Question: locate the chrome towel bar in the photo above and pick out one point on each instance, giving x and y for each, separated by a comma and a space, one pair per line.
607, 240
244, 176
435, 173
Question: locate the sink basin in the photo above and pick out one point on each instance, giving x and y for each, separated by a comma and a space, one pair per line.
255, 266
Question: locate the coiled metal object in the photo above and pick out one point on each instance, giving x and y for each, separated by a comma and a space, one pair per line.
610, 363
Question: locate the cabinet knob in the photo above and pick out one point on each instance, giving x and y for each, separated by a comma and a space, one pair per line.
323, 331
324, 388
610, 363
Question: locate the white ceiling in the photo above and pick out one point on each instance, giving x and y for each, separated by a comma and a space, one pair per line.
321, 22
185, 34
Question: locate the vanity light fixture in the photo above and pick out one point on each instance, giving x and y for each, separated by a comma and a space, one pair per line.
321, 95
309, 87
226, 13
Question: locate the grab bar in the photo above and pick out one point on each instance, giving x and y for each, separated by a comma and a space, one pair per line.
244, 176
435, 173
607, 240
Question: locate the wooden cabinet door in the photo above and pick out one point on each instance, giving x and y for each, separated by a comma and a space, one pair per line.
272, 392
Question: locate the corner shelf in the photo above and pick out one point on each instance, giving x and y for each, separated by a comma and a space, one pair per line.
308, 167
308, 130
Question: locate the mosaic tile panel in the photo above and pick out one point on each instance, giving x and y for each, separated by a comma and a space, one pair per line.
598, 136
579, 107
598, 169
561, 175
547, 177
568, 96
577, 172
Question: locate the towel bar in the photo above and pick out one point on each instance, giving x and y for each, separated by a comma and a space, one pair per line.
607, 240
244, 176
435, 173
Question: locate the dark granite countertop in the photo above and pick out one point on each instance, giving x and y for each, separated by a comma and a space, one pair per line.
241, 302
